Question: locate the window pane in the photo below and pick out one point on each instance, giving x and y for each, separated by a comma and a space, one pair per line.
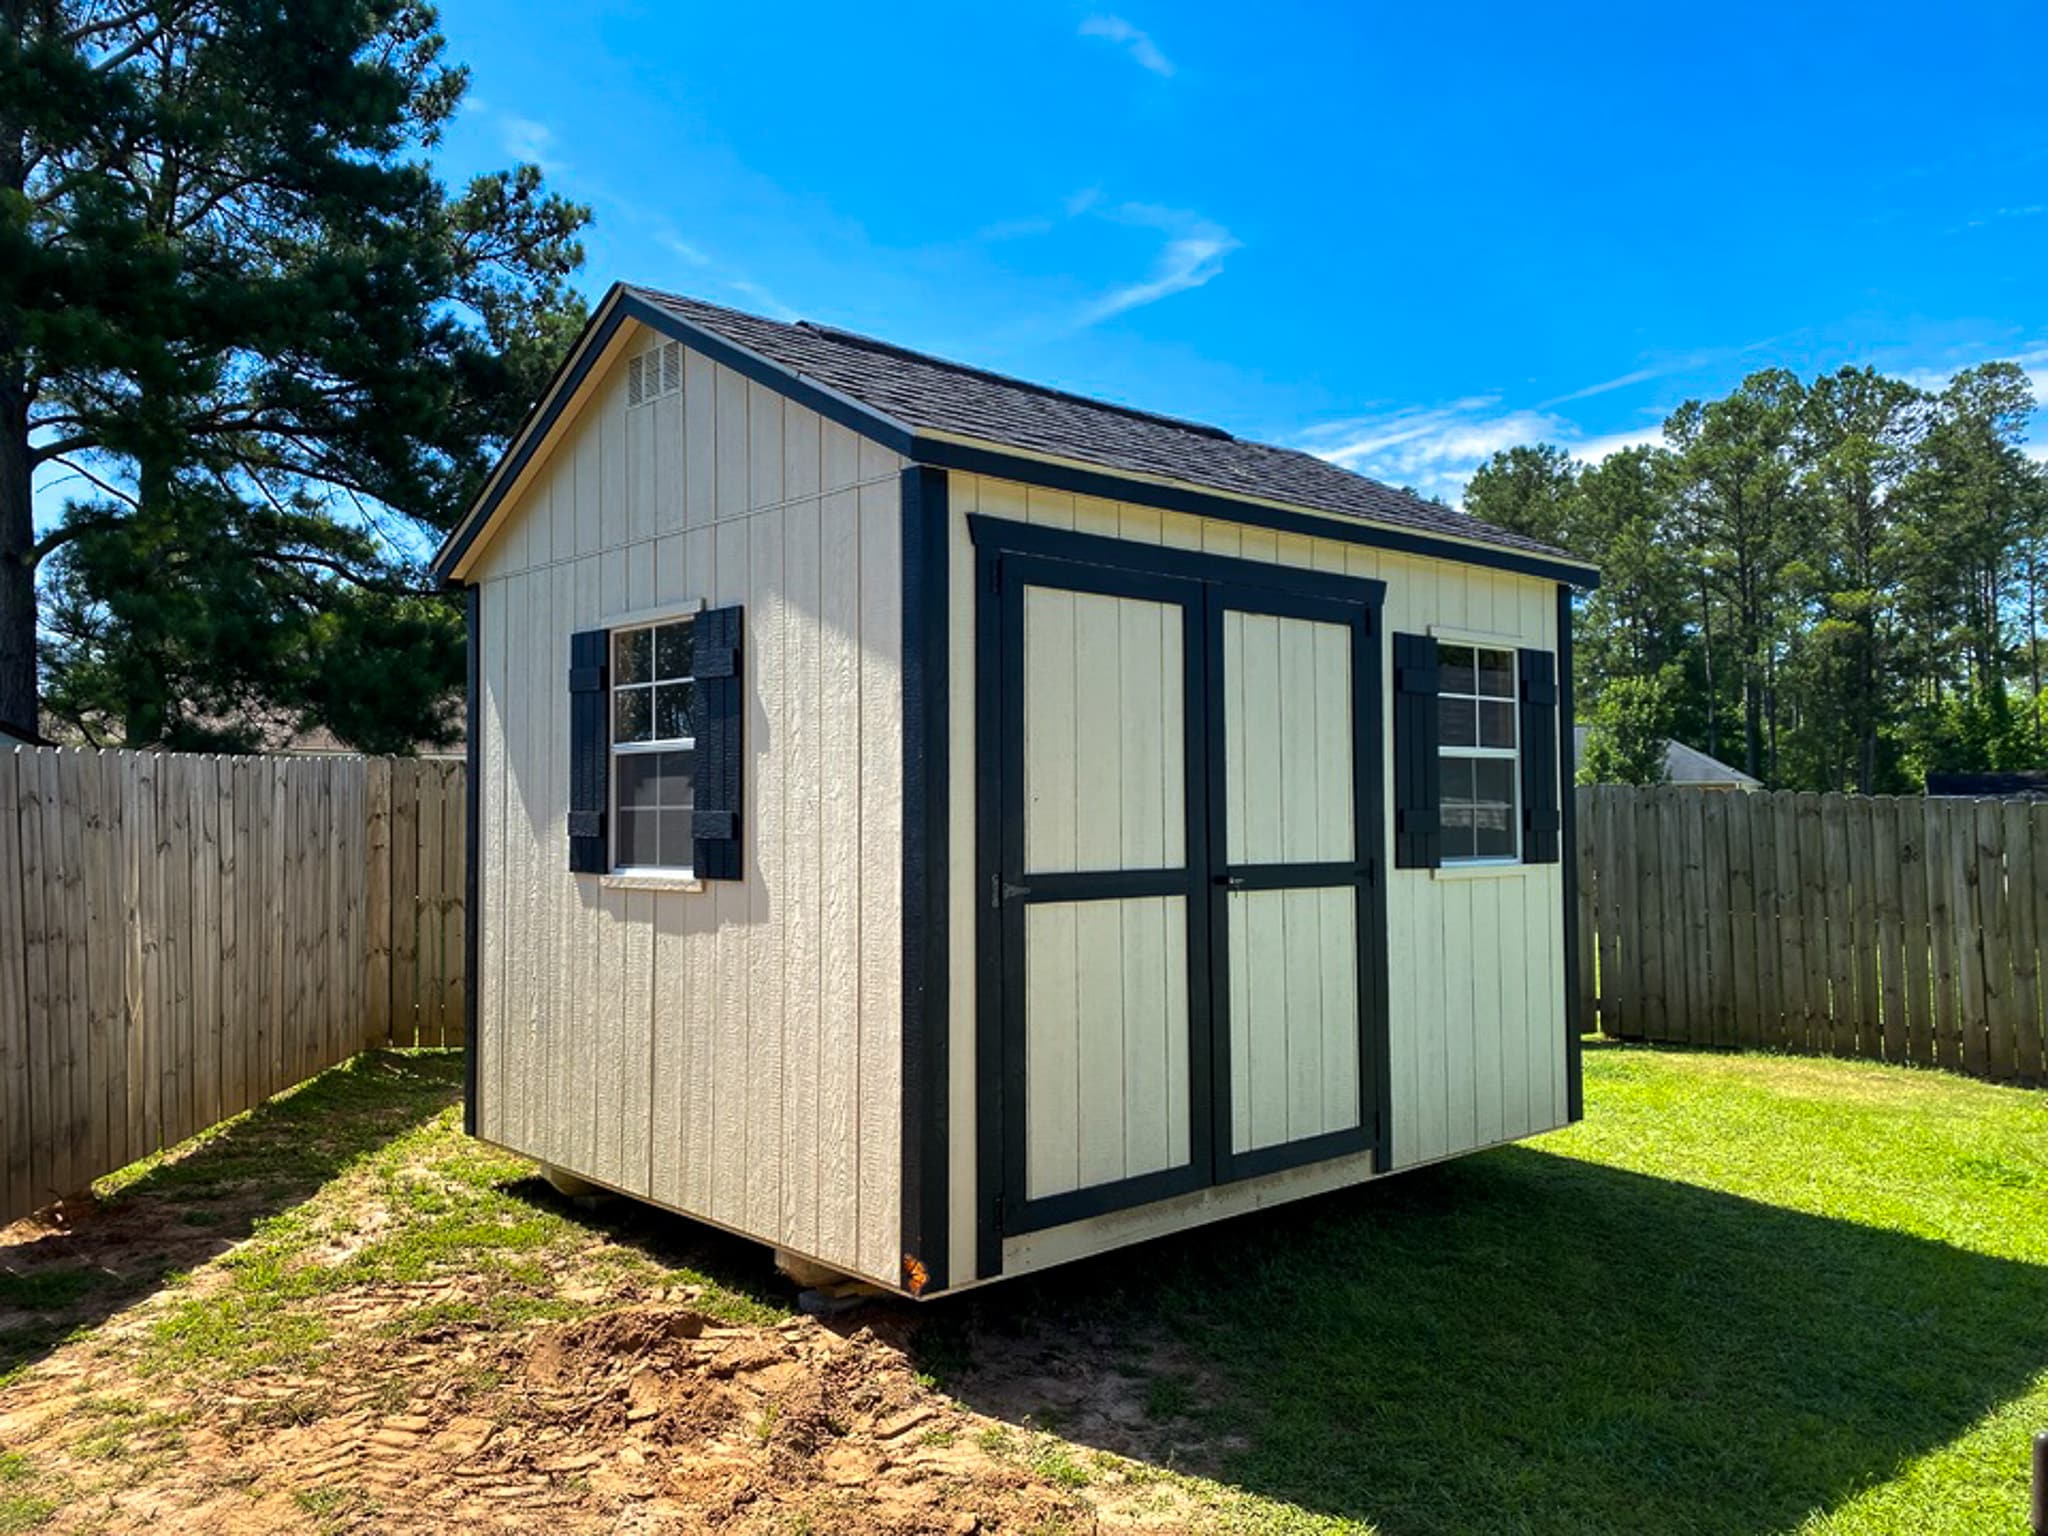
631, 656
676, 771
1455, 722
1496, 724
1457, 807
675, 711
1497, 674
1493, 808
636, 847
672, 650
1455, 669
639, 780
631, 716
676, 850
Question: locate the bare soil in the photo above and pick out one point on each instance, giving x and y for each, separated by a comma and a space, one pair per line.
647, 1418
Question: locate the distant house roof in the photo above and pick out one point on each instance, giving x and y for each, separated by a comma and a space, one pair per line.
913, 401
2021, 785
1689, 765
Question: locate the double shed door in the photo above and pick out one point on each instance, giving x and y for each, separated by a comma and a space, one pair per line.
1181, 973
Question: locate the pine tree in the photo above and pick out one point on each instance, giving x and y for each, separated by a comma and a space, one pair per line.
244, 311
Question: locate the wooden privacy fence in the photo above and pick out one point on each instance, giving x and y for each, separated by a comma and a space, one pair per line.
1906, 930
183, 936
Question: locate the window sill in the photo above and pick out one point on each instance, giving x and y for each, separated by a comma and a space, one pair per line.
650, 882
1489, 870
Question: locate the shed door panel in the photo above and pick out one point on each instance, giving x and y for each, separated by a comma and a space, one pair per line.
1105, 733
1106, 1042
1180, 792
1100, 968
1295, 877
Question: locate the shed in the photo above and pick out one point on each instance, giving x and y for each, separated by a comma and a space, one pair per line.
943, 826
1689, 767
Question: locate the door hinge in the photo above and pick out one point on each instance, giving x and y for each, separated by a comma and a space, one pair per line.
1000, 890
995, 575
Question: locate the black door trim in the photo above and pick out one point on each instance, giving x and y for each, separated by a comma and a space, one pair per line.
1007, 536
1361, 872
1008, 555
1007, 889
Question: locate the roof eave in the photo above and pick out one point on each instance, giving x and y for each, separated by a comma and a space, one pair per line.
947, 450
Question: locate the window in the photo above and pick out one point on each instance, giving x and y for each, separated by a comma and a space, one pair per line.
654, 747
1477, 723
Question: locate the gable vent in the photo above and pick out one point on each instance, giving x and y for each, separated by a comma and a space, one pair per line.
654, 373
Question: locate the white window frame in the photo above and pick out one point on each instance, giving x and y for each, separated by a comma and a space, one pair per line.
654, 875
1512, 648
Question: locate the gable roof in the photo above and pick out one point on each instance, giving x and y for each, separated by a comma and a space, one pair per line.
937, 411
1687, 765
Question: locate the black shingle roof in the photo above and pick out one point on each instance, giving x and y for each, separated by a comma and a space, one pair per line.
927, 393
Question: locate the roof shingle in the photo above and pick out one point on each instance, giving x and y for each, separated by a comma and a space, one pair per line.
932, 394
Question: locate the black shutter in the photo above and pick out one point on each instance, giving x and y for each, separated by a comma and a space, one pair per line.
720, 776
590, 740
1541, 818
1418, 779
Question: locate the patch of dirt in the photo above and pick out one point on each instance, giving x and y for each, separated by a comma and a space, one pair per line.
645, 1418
648, 1420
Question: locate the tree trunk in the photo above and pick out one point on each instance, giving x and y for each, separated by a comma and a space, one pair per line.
18, 694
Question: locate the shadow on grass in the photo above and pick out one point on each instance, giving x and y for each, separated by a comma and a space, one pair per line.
166, 1216
1521, 1342
736, 1264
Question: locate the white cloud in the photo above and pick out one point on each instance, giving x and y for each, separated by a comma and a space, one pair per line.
1192, 255
525, 138
1437, 448
1592, 450
1143, 51
726, 282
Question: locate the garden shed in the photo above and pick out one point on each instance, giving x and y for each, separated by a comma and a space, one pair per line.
943, 826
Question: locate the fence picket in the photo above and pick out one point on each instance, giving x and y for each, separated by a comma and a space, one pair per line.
1892, 928
16, 1191
1650, 1017
182, 936
1890, 919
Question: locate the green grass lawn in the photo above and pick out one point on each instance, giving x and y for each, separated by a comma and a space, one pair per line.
1748, 1294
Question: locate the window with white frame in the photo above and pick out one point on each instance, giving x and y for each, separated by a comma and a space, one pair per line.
1479, 760
654, 747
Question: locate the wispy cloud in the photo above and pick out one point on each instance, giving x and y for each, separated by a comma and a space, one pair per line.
1437, 448
1193, 254
1593, 449
723, 278
1143, 51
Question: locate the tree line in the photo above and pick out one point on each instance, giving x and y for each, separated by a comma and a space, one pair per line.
265, 354
1834, 585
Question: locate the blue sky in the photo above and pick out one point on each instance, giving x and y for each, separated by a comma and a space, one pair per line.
1403, 236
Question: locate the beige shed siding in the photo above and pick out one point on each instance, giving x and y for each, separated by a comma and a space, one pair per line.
733, 1052
1475, 984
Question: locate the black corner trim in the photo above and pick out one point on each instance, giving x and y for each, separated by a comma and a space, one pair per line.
472, 846
1567, 772
927, 1012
